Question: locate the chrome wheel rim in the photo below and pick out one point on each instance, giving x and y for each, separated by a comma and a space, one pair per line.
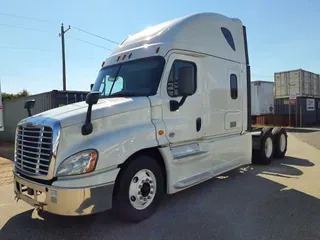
268, 146
282, 142
142, 189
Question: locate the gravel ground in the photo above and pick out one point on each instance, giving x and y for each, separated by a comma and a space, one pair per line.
6, 157
5, 171
279, 201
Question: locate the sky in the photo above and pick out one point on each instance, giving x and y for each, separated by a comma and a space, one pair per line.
282, 35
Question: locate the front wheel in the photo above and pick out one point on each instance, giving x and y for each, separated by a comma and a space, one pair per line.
138, 190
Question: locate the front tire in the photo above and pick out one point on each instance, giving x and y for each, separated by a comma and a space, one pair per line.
139, 189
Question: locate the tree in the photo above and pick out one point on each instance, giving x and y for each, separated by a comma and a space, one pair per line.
9, 96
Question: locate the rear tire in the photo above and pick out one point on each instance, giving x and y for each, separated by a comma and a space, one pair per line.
138, 190
264, 155
280, 142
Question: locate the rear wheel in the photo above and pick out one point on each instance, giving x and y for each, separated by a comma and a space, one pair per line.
138, 190
280, 142
265, 153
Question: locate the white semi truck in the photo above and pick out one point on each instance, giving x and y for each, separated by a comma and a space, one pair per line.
170, 108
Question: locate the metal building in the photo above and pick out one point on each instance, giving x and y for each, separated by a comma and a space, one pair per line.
13, 110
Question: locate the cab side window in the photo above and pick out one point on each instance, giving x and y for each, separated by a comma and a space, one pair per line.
233, 86
172, 85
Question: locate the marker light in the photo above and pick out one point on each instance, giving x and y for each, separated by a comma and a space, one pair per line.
160, 132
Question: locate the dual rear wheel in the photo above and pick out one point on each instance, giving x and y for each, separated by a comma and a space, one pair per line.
273, 144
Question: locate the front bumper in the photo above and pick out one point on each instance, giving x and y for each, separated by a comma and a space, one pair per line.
62, 200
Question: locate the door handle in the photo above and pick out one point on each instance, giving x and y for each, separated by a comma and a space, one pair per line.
198, 124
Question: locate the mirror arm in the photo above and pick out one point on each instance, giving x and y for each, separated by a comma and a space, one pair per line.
87, 127
183, 99
175, 105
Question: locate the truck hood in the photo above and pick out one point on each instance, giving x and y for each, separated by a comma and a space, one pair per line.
76, 113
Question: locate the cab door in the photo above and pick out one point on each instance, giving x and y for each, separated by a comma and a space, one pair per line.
185, 122
233, 115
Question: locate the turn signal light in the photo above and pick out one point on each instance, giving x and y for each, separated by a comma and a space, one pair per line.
160, 132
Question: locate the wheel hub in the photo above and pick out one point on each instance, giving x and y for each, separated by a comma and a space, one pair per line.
142, 189
145, 190
268, 147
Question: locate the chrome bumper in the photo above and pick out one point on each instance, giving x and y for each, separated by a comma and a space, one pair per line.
64, 201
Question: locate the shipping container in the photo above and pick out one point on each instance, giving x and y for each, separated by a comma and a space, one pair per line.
13, 110
297, 82
261, 98
303, 110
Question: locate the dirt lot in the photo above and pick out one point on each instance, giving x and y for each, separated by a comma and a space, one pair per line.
6, 157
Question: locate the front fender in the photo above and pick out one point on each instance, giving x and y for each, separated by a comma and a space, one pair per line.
130, 134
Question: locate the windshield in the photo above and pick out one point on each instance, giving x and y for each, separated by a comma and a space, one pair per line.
136, 78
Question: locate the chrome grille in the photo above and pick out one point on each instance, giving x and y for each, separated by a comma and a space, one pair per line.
33, 149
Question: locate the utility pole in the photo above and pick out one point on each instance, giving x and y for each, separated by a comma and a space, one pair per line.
64, 77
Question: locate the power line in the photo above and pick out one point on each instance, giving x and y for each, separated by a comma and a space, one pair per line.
89, 43
44, 50
23, 17
43, 20
26, 28
109, 40
32, 49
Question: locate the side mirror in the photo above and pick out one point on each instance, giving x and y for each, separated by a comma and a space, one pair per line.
29, 104
91, 86
186, 83
91, 99
186, 86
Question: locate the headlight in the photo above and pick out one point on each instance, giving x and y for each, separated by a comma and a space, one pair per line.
79, 163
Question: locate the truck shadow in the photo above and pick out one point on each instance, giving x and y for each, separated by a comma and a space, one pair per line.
7, 151
237, 205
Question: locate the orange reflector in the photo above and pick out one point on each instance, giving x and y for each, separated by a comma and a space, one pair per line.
118, 58
92, 162
130, 55
124, 56
160, 132
158, 49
